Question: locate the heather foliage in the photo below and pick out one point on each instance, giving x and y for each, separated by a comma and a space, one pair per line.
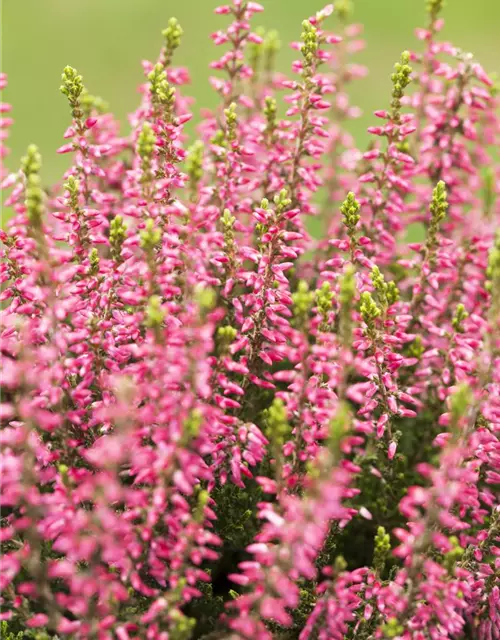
215, 425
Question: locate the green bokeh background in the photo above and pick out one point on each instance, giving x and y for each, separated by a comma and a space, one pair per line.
107, 39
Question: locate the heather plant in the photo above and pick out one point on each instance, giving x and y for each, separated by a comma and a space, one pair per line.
216, 425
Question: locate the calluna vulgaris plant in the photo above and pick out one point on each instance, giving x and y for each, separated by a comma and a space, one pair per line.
216, 426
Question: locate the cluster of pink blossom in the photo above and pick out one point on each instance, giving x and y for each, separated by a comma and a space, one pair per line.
215, 425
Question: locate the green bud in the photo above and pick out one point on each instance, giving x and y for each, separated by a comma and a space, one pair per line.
339, 427
392, 293
309, 48
117, 235
162, 94
182, 628
302, 301
72, 87
277, 427
387, 292
191, 426
155, 315
205, 297
94, 262
199, 511
434, 8
438, 208
32, 161
92, 104
416, 348
489, 191
194, 165
281, 201
324, 303
460, 401
350, 210
270, 110
231, 122
150, 236
392, 628
146, 142
271, 46
400, 80
339, 565
34, 195
172, 34
72, 186
225, 336
454, 555
382, 550
255, 52
369, 309
459, 317
344, 9
227, 219
347, 293
439, 203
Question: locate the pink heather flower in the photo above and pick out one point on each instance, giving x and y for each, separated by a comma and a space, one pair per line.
197, 392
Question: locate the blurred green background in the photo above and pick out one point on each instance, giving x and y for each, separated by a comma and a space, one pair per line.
107, 39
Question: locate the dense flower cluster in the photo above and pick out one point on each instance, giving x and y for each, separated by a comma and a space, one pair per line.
215, 425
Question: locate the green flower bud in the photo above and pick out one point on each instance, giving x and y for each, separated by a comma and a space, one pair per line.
303, 300
155, 315
94, 262
183, 626
340, 425
392, 628
191, 426
255, 51
281, 201
309, 48
369, 309
489, 191
231, 122
434, 8
272, 45
459, 317
150, 236
416, 348
205, 297
339, 565
162, 94
454, 555
387, 292
92, 104
382, 550
225, 336
460, 401
72, 87
324, 302
400, 80
194, 166
344, 9
72, 186
30, 165
438, 208
277, 427
270, 110
347, 294
172, 34
117, 235
350, 210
